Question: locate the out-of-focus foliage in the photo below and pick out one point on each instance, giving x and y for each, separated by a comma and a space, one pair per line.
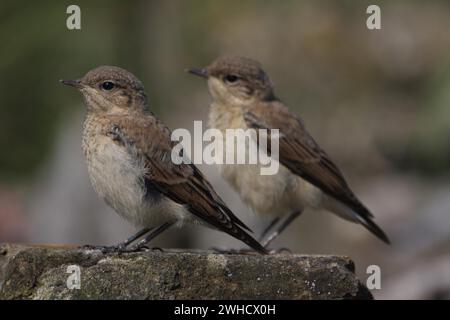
320, 53
428, 149
37, 51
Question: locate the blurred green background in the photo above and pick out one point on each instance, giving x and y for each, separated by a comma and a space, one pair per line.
377, 101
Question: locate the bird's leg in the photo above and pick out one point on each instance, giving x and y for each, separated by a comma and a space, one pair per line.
120, 247
280, 228
268, 228
154, 233
135, 236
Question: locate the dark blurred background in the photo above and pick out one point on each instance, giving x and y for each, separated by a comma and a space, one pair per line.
378, 101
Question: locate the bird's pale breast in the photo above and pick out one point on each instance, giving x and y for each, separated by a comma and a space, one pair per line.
117, 175
277, 194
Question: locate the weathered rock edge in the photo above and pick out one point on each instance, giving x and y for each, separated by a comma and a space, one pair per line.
32, 272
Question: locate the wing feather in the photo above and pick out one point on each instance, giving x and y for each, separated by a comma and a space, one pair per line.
303, 156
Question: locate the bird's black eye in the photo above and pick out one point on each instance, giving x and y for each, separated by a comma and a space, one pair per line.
231, 78
107, 85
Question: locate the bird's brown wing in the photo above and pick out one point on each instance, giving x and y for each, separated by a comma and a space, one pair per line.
303, 156
182, 183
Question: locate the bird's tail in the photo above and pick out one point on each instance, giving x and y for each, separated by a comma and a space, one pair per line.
227, 222
240, 234
238, 230
368, 223
362, 216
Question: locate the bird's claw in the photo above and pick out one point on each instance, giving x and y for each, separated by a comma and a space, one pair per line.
106, 249
91, 247
143, 248
280, 251
232, 251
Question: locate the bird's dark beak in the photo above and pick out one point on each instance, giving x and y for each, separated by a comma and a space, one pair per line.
73, 83
201, 72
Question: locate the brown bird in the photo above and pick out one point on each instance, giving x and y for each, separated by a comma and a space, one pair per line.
243, 97
128, 154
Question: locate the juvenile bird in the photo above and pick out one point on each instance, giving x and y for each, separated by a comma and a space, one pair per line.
243, 97
128, 155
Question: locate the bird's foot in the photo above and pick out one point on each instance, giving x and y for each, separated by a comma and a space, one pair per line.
233, 251
107, 249
91, 247
143, 248
279, 251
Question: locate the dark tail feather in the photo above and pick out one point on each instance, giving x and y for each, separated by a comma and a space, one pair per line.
372, 227
234, 218
249, 240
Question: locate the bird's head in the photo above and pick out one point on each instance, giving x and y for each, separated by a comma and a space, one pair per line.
110, 89
236, 80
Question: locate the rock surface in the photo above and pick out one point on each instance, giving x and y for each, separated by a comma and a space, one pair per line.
28, 272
